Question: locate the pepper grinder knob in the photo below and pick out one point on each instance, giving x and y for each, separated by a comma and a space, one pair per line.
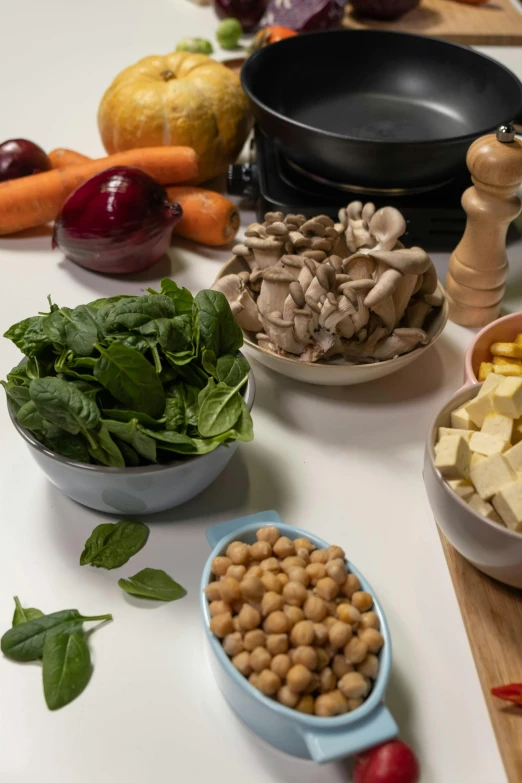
478, 266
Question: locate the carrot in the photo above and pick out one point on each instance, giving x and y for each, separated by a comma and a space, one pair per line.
31, 201
62, 157
208, 217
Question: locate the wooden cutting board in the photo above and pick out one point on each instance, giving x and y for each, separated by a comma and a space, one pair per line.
497, 23
492, 614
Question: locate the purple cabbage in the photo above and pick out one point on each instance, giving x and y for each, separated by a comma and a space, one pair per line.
305, 15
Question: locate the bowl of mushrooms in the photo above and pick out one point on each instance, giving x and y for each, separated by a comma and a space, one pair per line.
334, 304
299, 644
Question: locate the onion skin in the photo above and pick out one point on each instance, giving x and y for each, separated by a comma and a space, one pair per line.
118, 222
21, 158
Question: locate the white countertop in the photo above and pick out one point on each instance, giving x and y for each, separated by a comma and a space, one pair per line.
344, 463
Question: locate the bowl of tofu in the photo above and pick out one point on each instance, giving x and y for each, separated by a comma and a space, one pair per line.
496, 348
473, 475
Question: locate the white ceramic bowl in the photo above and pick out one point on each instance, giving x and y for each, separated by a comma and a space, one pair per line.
492, 548
503, 330
322, 374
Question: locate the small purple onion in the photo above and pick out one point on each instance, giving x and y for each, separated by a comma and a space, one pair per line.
118, 222
305, 15
21, 158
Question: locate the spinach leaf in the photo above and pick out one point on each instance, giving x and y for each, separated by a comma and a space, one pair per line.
25, 642
191, 374
130, 456
97, 304
173, 441
22, 615
112, 544
131, 379
29, 417
218, 329
18, 375
131, 434
182, 298
73, 447
211, 385
28, 335
18, 395
173, 334
220, 410
64, 405
208, 360
244, 426
39, 366
181, 409
130, 340
120, 415
87, 387
137, 311
67, 668
53, 327
231, 370
152, 583
103, 449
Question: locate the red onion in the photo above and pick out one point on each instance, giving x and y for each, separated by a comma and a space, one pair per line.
305, 15
386, 10
20, 158
393, 762
248, 12
119, 221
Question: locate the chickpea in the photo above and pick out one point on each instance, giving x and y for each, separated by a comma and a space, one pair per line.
277, 622
355, 651
351, 585
220, 565
260, 659
260, 550
328, 680
294, 615
348, 614
280, 665
302, 633
335, 553
369, 620
336, 570
340, 666
272, 602
329, 622
314, 685
230, 590
304, 543
353, 704
298, 678
255, 570
254, 679
236, 572
242, 663
319, 556
306, 704
320, 634
299, 575
287, 697
213, 592
233, 644
237, 551
331, 608
372, 638
369, 667
249, 618
326, 588
221, 625
323, 659
271, 582
305, 655
303, 555
237, 606
330, 651
329, 704
235, 623
294, 594
315, 572
362, 601
270, 564
268, 533
268, 682
283, 547
253, 639
354, 685
315, 609
283, 579
292, 562
277, 643
219, 607
339, 634
252, 588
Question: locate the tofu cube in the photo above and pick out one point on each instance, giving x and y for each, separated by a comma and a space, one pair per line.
507, 398
517, 431
490, 475
452, 457
482, 443
460, 420
511, 350
496, 424
504, 360
483, 507
491, 382
479, 407
443, 431
462, 487
514, 458
476, 458
508, 504
484, 370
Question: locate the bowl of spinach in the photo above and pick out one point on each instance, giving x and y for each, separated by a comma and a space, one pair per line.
132, 404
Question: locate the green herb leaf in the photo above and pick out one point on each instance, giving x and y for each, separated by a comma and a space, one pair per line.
28, 335
220, 410
231, 370
120, 415
22, 615
25, 642
29, 417
112, 544
137, 311
173, 441
131, 434
182, 298
181, 409
64, 405
203, 394
244, 426
208, 360
153, 583
104, 449
67, 668
131, 379
218, 329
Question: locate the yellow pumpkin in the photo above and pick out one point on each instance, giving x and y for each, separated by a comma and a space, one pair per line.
179, 99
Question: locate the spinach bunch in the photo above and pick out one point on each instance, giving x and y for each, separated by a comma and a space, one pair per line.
132, 380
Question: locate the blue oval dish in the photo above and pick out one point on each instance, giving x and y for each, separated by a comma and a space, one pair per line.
305, 736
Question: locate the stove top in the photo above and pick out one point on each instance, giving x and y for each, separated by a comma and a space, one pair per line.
435, 219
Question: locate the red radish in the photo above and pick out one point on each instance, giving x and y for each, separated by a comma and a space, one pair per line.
393, 762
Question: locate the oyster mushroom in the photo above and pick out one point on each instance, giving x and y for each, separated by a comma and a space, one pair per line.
399, 342
274, 289
387, 225
417, 313
267, 250
241, 302
281, 333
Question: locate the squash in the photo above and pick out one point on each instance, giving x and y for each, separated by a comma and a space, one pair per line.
178, 99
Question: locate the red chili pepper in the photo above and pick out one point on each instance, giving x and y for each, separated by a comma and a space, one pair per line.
512, 692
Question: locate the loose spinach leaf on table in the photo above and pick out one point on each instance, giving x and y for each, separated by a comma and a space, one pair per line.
112, 544
217, 328
67, 668
130, 433
131, 379
154, 584
23, 615
64, 405
103, 449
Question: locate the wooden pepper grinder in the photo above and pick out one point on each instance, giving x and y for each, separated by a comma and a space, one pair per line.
478, 266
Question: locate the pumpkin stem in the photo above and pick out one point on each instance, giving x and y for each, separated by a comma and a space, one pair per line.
168, 75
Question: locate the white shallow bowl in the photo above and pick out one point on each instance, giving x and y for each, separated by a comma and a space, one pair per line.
490, 547
334, 374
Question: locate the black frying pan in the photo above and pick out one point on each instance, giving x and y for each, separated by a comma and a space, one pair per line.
375, 109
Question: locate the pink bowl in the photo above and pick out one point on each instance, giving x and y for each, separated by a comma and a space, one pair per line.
503, 330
